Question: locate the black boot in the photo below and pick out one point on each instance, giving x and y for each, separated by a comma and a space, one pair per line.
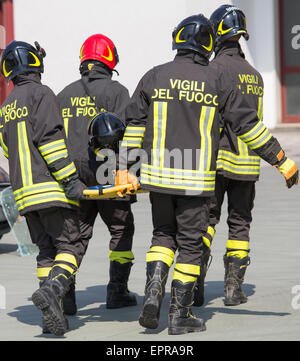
235, 269
118, 294
69, 300
181, 318
199, 288
157, 275
48, 298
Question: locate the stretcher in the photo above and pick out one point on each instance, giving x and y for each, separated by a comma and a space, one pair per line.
110, 191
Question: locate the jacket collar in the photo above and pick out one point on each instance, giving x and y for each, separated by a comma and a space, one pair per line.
190, 56
27, 78
230, 48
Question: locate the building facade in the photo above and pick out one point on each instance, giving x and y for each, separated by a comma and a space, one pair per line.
142, 32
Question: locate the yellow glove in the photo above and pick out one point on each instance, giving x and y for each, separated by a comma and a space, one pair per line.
289, 170
124, 177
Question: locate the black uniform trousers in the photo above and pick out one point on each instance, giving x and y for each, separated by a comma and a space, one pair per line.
55, 230
179, 223
240, 195
117, 216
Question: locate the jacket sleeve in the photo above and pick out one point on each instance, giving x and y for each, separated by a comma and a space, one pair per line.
48, 135
244, 120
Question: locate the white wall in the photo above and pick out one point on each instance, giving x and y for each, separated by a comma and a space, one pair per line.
142, 32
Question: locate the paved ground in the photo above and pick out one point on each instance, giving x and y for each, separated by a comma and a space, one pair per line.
272, 281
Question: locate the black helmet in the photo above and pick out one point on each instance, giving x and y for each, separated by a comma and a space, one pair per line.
228, 21
194, 33
20, 57
105, 131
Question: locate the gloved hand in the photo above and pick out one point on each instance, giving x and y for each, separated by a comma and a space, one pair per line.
124, 177
74, 188
289, 170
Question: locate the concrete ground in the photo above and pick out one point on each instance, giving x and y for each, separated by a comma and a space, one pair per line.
272, 281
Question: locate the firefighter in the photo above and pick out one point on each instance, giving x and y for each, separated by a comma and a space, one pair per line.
238, 166
174, 116
80, 102
44, 180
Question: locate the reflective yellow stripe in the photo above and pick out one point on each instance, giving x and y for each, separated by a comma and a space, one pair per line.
66, 126
211, 231
205, 125
52, 146
232, 157
159, 132
239, 254
44, 198
207, 242
163, 250
56, 155
241, 245
65, 267
24, 154
66, 257
188, 268
248, 135
38, 188
237, 169
261, 140
162, 254
260, 108
3, 146
183, 277
43, 272
121, 256
243, 148
65, 172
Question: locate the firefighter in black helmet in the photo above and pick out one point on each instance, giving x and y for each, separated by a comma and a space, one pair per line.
174, 116
43, 178
238, 164
96, 96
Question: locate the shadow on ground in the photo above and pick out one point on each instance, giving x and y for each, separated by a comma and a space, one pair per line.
97, 294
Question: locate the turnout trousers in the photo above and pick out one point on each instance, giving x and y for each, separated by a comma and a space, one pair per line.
56, 232
179, 223
240, 196
118, 217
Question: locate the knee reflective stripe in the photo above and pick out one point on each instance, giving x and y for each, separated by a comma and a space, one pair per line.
238, 249
207, 239
186, 272
162, 254
42, 272
121, 256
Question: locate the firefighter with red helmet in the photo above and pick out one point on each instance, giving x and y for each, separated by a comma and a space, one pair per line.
97, 101
44, 179
174, 116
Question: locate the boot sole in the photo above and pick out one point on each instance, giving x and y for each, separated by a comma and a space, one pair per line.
55, 324
183, 330
148, 318
230, 302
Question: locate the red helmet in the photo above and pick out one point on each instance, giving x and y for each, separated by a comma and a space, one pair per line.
99, 47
